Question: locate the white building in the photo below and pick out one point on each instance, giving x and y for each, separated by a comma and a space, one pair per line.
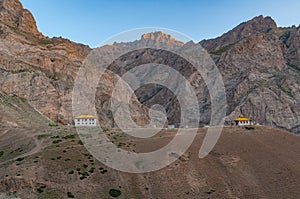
171, 126
242, 121
85, 120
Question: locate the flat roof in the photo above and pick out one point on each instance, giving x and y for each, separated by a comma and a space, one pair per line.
85, 117
242, 119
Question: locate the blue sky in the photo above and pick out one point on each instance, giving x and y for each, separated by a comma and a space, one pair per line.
93, 21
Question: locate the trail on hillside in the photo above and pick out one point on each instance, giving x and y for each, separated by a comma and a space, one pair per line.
37, 148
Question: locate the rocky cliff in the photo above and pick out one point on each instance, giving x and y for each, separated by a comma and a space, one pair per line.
260, 66
35, 67
259, 62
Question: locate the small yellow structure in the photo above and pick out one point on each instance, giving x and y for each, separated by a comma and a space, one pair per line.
242, 121
85, 120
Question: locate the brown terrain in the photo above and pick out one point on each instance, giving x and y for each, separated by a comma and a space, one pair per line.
259, 63
49, 163
42, 157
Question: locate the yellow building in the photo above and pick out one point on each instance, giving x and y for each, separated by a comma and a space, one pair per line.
85, 120
242, 121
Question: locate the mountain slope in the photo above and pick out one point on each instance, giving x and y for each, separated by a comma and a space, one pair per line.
34, 67
260, 163
259, 62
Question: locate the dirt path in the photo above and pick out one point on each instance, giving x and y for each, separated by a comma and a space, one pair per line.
4, 132
38, 146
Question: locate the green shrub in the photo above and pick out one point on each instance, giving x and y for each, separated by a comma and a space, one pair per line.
1, 153
42, 136
249, 127
103, 171
104, 129
39, 190
71, 172
70, 195
92, 170
53, 124
114, 193
56, 141
222, 49
71, 136
85, 166
19, 159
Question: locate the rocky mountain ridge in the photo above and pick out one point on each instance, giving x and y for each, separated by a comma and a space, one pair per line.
259, 62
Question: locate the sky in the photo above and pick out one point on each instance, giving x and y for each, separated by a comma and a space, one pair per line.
92, 22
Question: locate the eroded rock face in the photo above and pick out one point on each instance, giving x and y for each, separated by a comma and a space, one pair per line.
256, 25
261, 74
12, 13
34, 67
259, 62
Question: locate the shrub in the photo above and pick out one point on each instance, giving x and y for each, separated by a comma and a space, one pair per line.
71, 172
92, 170
53, 124
39, 190
114, 193
85, 166
1, 153
56, 141
70, 195
19, 159
71, 136
104, 129
42, 136
103, 171
249, 127
222, 49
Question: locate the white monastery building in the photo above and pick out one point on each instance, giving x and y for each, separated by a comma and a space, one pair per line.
85, 120
242, 121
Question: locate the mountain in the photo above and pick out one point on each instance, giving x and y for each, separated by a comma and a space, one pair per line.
260, 66
40, 159
259, 62
34, 67
50, 163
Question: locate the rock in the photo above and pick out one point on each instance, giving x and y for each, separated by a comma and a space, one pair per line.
259, 62
12, 13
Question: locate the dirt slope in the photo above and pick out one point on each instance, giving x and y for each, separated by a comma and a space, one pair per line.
260, 163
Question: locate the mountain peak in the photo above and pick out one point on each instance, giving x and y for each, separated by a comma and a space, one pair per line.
265, 22
258, 24
12, 13
159, 39
157, 36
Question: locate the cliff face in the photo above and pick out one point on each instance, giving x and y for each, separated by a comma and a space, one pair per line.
34, 67
259, 61
258, 24
261, 71
12, 13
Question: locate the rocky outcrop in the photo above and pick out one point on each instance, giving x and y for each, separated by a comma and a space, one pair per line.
258, 24
13, 14
260, 72
260, 64
34, 67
